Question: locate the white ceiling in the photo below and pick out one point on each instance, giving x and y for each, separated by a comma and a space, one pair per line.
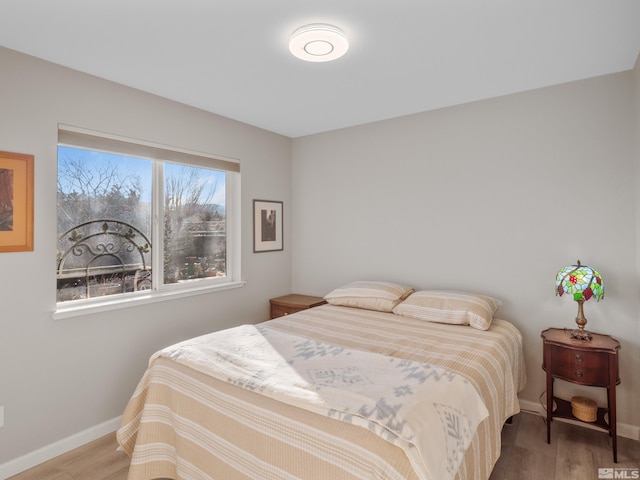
231, 57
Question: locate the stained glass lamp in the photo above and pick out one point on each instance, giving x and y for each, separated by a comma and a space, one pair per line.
583, 283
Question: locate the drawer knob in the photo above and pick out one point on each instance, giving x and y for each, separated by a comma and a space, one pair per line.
578, 358
579, 374
286, 313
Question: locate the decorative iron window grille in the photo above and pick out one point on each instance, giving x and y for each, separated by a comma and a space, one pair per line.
102, 257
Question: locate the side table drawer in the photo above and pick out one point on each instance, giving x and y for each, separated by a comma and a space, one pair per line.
281, 311
579, 366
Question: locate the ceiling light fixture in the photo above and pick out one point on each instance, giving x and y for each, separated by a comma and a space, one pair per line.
318, 42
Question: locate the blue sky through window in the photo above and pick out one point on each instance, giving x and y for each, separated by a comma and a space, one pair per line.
94, 162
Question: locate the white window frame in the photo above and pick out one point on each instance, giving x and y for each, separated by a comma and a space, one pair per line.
98, 141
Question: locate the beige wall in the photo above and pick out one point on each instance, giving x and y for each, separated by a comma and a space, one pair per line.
493, 196
61, 377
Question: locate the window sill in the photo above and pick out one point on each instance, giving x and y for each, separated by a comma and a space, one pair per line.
116, 302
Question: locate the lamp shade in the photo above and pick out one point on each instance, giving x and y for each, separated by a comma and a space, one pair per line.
580, 281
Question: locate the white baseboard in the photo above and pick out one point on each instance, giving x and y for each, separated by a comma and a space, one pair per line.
25, 462
624, 429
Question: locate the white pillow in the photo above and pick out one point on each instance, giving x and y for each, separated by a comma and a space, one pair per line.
458, 308
370, 295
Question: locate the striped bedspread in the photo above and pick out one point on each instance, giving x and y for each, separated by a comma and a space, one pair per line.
184, 423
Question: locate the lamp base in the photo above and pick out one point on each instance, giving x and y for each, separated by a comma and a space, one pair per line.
581, 334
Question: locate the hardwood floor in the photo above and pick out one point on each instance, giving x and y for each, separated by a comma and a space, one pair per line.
574, 453
98, 460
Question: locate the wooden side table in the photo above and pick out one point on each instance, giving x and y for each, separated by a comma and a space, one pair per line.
592, 363
293, 303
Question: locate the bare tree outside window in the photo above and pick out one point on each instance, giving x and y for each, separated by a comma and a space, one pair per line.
95, 185
194, 223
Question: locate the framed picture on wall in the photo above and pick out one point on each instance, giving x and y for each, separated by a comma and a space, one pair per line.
267, 226
16, 202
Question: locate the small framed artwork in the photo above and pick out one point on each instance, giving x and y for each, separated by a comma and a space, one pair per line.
16, 202
267, 226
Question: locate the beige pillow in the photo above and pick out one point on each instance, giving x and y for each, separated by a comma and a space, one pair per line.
370, 295
458, 308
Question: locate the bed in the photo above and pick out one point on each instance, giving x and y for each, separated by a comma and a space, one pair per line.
194, 417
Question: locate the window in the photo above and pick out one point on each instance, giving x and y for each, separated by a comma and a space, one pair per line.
141, 219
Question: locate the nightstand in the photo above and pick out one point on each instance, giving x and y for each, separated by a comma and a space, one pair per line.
592, 363
293, 303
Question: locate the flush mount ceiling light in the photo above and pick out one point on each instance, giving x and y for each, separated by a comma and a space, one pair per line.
318, 43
